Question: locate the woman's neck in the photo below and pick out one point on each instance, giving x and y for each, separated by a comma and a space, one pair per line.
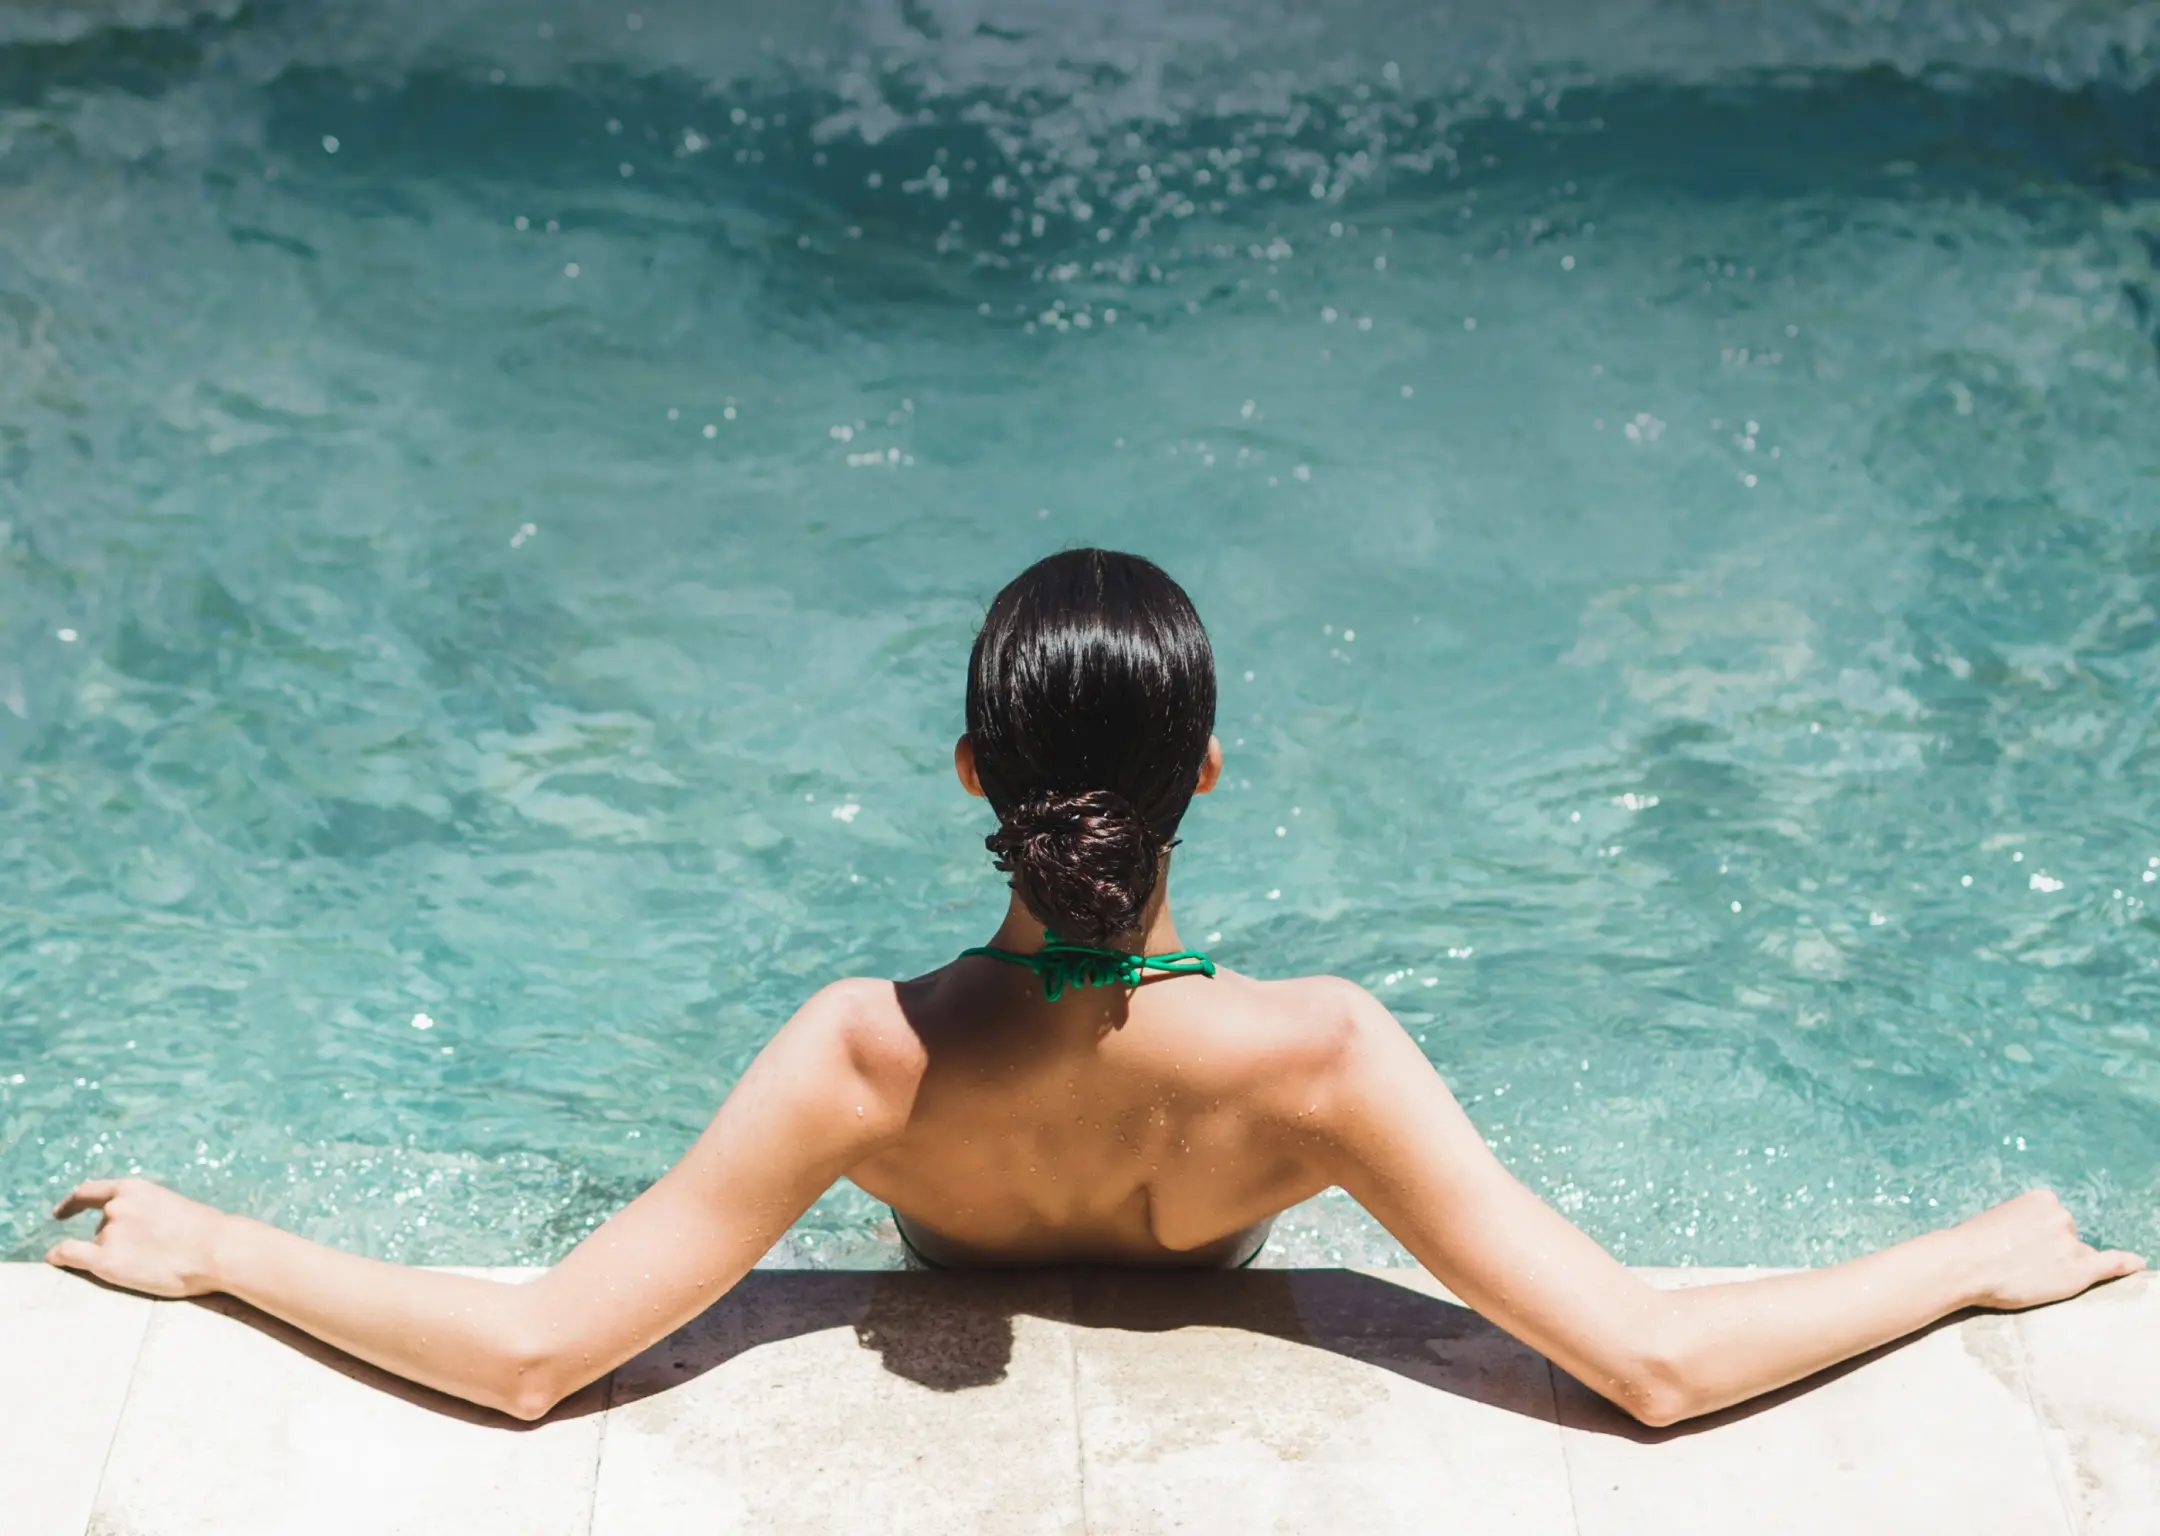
1022, 930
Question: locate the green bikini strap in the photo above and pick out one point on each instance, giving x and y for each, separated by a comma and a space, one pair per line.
1061, 965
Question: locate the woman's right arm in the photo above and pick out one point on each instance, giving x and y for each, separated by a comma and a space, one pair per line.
836, 1082
1392, 1136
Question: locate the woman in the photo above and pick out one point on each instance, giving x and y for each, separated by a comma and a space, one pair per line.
1106, 1097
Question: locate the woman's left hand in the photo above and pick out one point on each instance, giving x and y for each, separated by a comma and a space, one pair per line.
150, 1240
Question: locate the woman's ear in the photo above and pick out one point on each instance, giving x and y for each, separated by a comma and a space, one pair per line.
963, 761
1210, 767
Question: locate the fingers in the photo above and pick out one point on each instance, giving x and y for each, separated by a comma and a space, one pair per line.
90, 1195
2120, 1261
73, 1253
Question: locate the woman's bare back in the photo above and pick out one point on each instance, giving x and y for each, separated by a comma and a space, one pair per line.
1146, 1126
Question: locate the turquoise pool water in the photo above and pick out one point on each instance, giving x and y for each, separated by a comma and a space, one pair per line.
494, 500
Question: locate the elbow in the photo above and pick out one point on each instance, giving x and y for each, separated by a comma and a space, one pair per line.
529, 1405
529, 1379
529, 1398
1654, 1404
1653, 1387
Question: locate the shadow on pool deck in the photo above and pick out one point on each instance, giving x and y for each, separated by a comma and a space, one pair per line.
953, 1332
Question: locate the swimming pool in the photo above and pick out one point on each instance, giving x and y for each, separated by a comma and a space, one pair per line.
494, 500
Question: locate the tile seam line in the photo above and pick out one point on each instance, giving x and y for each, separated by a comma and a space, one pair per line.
2071, 1522
1567, 1461
600, 1439
142, 1338
1080, 1467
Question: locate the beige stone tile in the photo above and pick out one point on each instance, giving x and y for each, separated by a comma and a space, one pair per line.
1935, 1434
239, 1426
1116, 1402
2094, 1365
816, 1402
67, 1350
1309, 1401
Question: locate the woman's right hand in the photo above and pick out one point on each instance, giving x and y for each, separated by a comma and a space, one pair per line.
150, 1239
2026, 1253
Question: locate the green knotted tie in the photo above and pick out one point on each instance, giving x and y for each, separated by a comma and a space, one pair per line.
1061, 965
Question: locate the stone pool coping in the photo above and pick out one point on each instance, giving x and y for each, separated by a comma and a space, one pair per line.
1063, 1402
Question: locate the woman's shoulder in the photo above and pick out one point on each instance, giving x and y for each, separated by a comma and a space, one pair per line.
1317, 997
1298, 1019
863, 1018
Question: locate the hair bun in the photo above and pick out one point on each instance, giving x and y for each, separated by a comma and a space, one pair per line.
1083, 861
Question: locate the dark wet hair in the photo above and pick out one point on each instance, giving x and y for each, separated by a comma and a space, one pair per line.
1090, 699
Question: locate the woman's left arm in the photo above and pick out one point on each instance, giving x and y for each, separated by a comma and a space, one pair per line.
834, 1085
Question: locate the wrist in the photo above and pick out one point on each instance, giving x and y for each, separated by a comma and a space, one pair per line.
1961, 1267
225, 1255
